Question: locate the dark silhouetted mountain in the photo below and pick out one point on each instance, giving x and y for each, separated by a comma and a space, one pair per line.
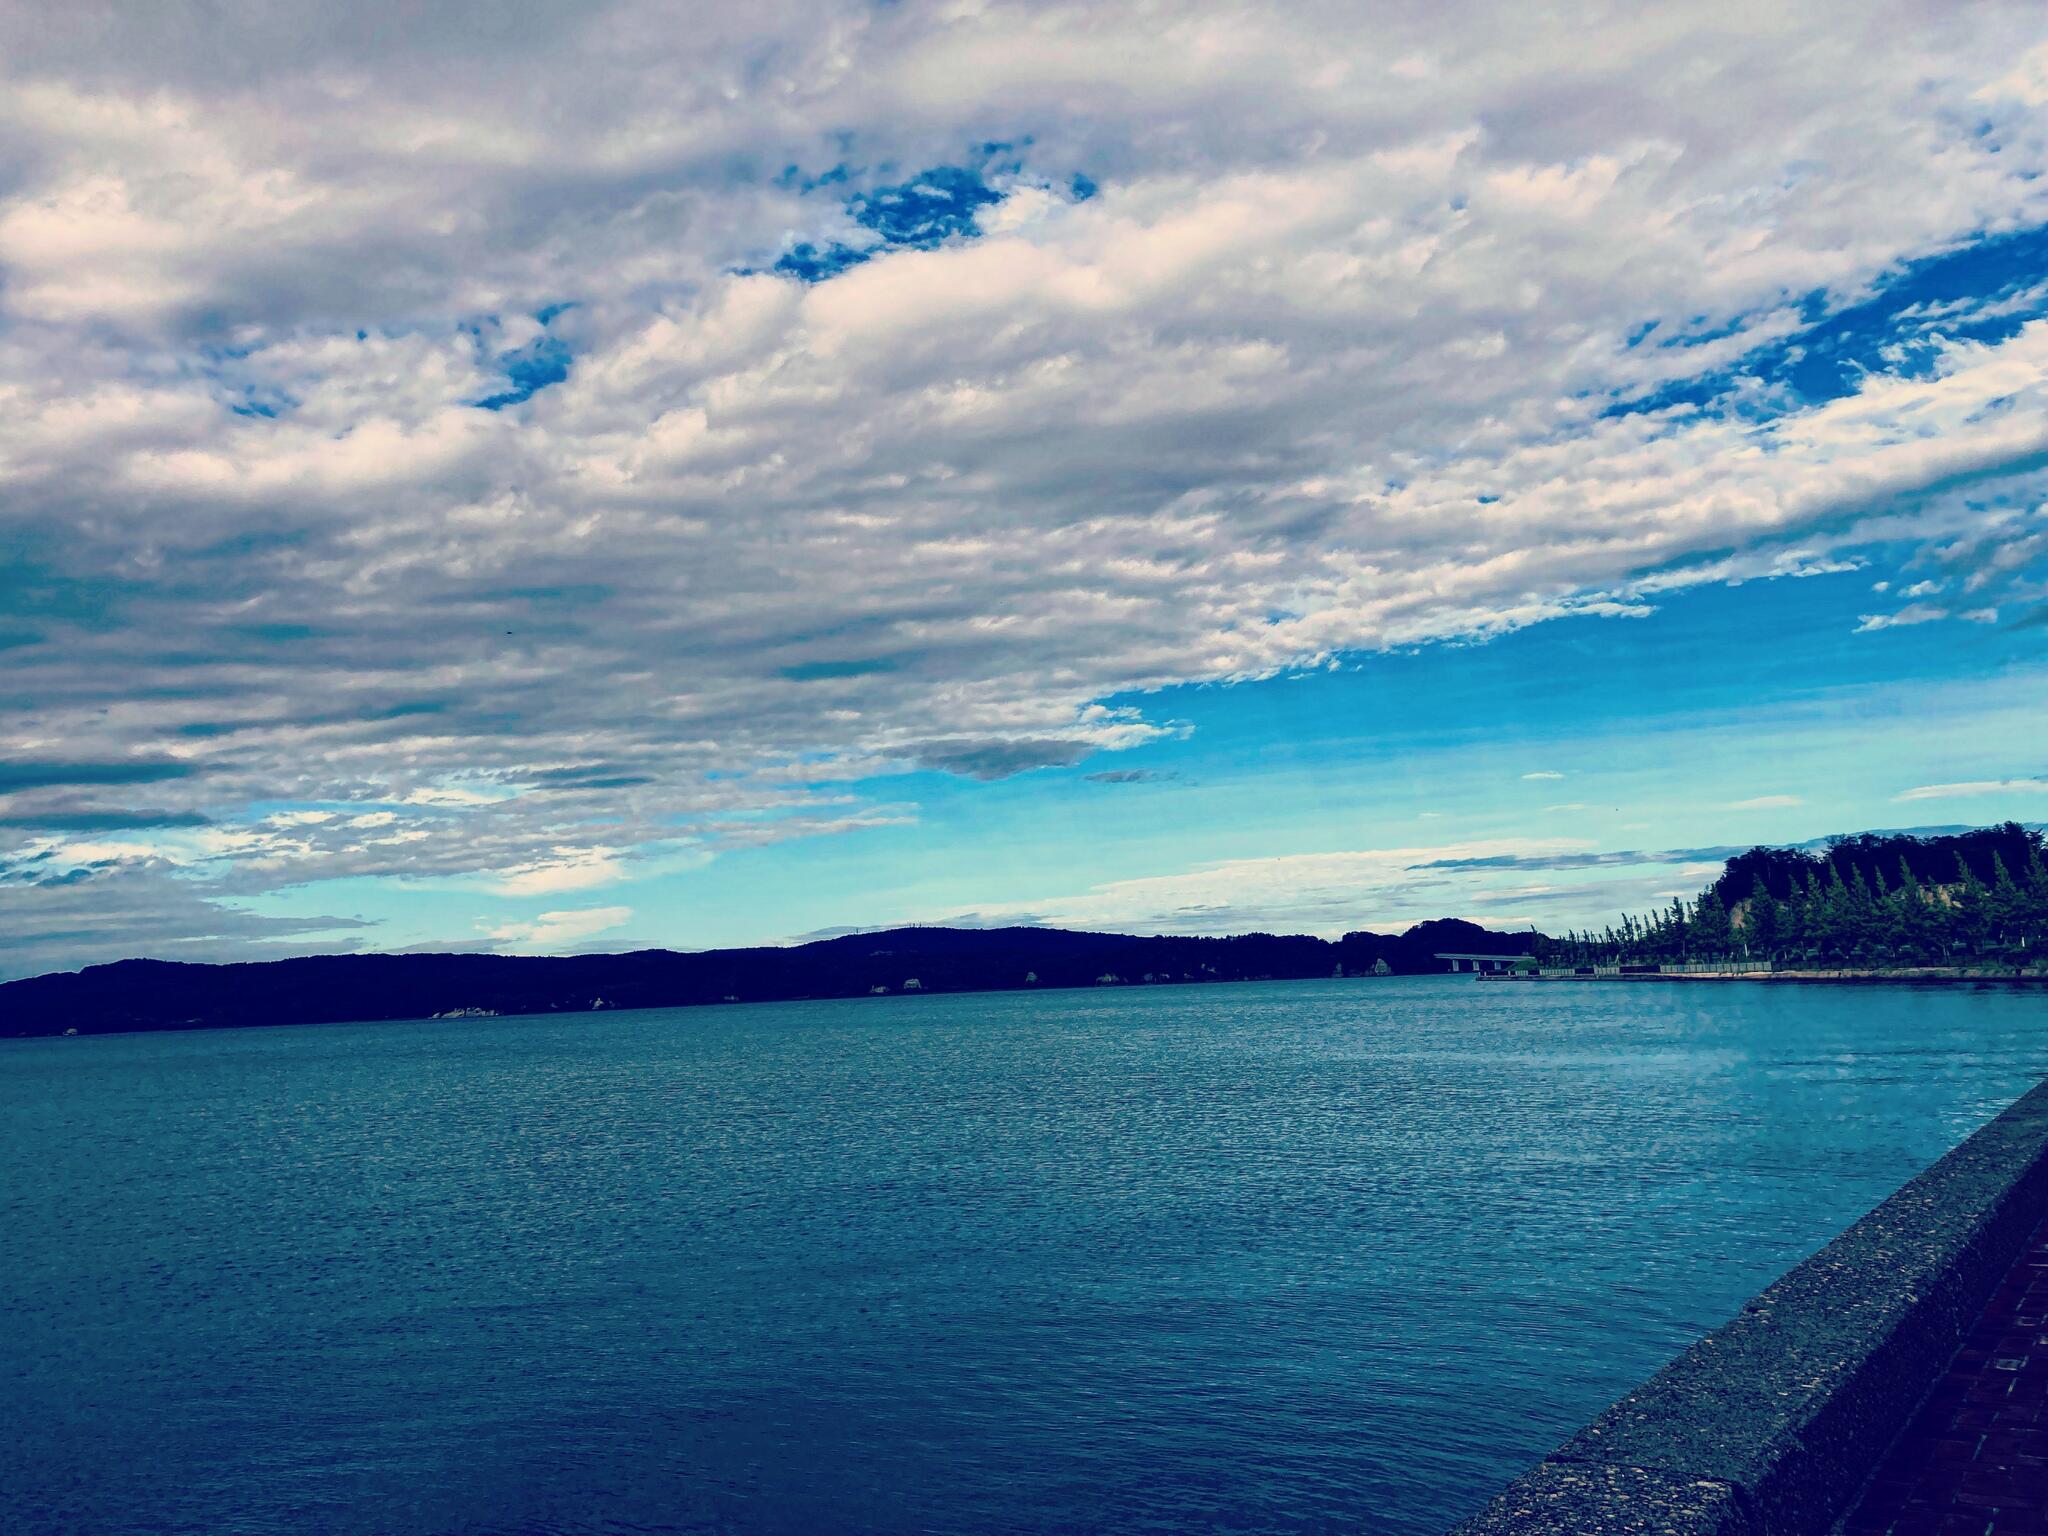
161, 994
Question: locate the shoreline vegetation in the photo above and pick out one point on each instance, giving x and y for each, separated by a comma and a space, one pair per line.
1968, 908
1892, 976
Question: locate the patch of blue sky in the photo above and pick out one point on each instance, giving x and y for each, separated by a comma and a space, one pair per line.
543, 361
922, 212
795, 176
529, 369
261, 401
931, 208
1982, 291
223, 367
811, 263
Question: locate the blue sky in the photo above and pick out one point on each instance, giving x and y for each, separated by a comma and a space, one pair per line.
1586, 738
570, 485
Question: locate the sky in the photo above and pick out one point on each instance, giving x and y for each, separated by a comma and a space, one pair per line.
564, 477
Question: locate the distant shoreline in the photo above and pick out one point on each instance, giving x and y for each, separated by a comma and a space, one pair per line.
1846, 976
134, 996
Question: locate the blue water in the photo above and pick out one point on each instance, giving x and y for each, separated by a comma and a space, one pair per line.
1289, 1257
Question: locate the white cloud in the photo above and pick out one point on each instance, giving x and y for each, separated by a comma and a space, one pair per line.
1322, 368
1543, 774
2026, 83
1976, 787
1766, 803
1324, 893
573, 869
450, 795
1911, 614
1385, 889
559, 930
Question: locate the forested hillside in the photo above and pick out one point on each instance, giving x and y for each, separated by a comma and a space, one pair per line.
1873, 900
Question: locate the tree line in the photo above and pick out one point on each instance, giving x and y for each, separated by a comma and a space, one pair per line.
1877, 900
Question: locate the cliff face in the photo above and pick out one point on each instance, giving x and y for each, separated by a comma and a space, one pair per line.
158, 994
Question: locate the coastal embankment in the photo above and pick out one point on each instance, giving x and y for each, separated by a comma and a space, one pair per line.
1806, 1407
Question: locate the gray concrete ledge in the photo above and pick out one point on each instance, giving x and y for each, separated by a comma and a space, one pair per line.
1770, 1425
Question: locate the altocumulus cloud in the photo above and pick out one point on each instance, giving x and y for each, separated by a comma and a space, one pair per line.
434, 419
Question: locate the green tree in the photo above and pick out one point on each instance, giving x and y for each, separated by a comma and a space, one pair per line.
2005, 910
1763, 921
1912, 925
1831, 916
1796, 920
1863, 930
1969, 901
1712, 936
2035, 912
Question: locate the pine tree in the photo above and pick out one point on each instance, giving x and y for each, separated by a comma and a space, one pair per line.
1862, 931
1911, 928
1712, 935
1970, 916
1797, 919
1831, 916
2037, 898
2006, 909
1763, 921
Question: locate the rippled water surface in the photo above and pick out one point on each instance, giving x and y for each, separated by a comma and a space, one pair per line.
1288, 1257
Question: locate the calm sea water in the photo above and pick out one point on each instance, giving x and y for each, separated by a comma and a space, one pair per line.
1290, 1257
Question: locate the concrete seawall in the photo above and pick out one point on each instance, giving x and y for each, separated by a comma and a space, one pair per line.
1771, 1424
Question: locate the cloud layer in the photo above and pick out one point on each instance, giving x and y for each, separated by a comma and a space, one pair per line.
542, 446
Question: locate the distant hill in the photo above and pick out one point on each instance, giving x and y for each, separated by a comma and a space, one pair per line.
162, 994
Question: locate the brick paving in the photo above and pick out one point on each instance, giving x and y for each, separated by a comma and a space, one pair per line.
1974, 1460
